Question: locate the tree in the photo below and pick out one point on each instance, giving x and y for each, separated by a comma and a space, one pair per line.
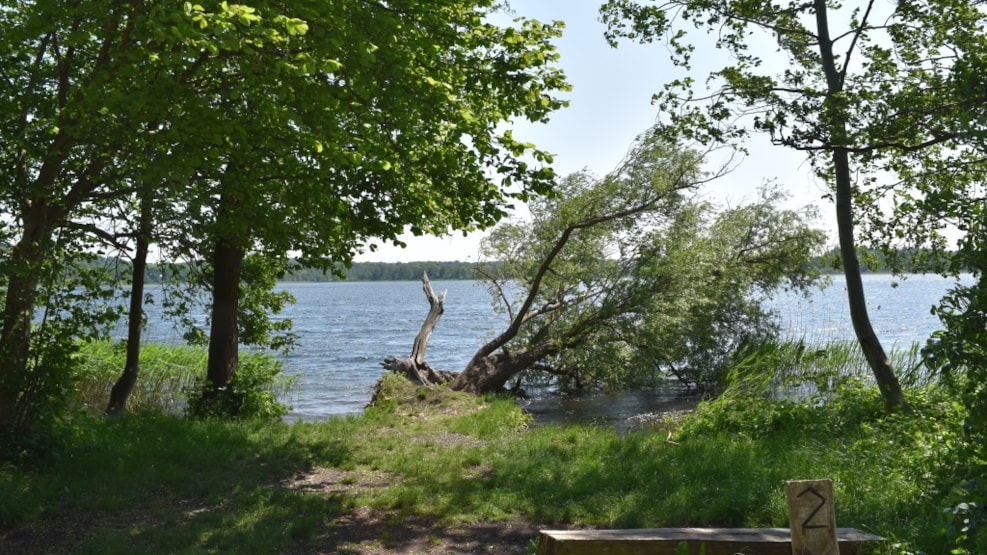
315, 127
810, 105
911, 112
611, 280
413, 100
77, 90
415, 368
123, 387
932, 119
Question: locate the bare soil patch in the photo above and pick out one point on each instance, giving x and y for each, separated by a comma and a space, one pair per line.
366, 532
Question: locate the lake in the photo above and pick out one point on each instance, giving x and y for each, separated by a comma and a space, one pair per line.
346, 329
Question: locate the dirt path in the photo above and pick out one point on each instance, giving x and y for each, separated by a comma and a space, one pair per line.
366, 534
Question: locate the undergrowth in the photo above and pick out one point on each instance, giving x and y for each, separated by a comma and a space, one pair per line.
170, 376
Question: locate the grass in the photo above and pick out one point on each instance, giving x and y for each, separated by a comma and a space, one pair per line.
802, 368
164, 375
158, 483
167, 374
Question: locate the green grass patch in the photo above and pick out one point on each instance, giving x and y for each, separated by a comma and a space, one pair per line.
156, 483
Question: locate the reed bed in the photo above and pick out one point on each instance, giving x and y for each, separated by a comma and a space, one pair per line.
167, 374
802, 368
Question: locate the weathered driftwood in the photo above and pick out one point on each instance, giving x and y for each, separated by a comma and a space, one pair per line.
415, 368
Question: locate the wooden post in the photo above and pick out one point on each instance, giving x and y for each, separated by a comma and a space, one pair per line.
812, 517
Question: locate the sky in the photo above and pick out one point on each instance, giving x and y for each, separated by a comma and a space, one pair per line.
609, 105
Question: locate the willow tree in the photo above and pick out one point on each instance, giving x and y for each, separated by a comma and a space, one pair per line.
622, 279
804, 94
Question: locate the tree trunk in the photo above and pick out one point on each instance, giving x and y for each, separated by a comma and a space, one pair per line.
228, 253
490, 373
124, 386
223, 333
436, 306
15, 344
24, 267
876, 357
415, 368
884, 374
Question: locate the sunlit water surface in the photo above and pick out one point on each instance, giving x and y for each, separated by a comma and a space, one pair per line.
346, 329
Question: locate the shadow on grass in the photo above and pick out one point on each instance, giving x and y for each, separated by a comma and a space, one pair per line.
170, 485
364, 531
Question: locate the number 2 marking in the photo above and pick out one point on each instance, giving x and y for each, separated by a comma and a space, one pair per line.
822, 503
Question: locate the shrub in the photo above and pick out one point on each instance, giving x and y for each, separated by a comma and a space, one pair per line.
253, 392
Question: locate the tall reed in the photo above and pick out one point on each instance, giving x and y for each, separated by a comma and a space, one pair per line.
799, 368
167, 374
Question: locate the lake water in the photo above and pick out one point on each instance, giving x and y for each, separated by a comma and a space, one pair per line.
346, 330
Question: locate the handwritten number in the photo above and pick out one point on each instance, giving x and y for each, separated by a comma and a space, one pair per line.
822, 503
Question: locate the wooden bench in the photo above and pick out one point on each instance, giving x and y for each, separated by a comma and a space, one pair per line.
664, 541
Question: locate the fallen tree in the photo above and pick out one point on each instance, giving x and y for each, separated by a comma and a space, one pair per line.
622, 280
630, 278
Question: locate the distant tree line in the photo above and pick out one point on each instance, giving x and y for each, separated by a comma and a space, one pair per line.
906, 261
871, 261
389, 271
117, 270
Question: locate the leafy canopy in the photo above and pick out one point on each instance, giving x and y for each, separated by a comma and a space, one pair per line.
312, 127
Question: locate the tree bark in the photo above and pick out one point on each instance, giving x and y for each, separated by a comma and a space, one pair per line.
15, 340
878, 360
227, 265
223, 332
24, 267
490, 373
124, 386
416, 368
